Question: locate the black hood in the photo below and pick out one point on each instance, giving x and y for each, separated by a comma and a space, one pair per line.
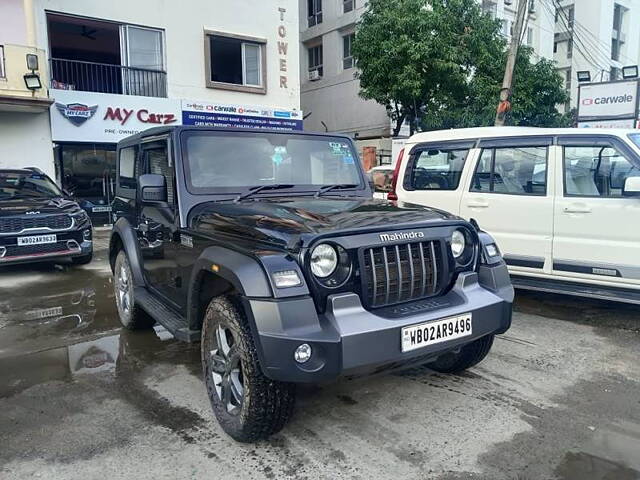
34, 204
285, 221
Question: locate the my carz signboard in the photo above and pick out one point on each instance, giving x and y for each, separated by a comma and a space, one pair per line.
104, 118
608, 101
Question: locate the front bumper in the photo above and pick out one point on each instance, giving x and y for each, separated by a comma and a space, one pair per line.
69, 244
349, 340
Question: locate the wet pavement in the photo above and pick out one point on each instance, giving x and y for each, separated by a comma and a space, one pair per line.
558, 397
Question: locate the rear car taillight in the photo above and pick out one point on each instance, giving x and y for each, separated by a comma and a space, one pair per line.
392, 195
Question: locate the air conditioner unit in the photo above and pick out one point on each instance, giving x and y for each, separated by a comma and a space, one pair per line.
508, 2
314, 75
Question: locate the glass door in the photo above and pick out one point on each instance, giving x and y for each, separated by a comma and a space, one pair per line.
88, 172
143, 53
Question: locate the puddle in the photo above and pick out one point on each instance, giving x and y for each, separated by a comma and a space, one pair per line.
584, 466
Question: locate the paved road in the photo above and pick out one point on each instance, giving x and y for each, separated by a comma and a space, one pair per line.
558, 397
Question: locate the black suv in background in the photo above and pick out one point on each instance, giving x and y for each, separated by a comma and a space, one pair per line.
269, 248
39, 222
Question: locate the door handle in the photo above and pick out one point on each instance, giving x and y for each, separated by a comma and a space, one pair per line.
478, 204
577, 209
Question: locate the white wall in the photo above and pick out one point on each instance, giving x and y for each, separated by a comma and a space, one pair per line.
12, 23
184, 23
25, 141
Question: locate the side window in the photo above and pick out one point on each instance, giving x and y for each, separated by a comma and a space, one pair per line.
438, 169
512, 170
158, 162
598, 171
127, 168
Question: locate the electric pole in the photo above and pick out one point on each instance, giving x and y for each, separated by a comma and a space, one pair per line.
505, 94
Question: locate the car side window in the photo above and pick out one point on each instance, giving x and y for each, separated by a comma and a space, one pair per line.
159, 162
127, 168
596, 171
512, 170
438, 169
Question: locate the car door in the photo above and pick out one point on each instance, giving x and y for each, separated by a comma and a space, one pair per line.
434, 174
510, 196
597, 237
158, 231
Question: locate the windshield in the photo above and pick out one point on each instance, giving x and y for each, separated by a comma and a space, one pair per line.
635, 138
16, 185
220, 162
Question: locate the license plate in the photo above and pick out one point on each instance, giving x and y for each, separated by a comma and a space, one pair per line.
43, 313
100, 209
425, 334
37, 240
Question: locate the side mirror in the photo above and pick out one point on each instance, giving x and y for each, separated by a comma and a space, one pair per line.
152, 188
631, 187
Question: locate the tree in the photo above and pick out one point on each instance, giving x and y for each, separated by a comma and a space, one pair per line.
439, 64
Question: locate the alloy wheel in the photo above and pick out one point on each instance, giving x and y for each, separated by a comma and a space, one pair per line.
226, 370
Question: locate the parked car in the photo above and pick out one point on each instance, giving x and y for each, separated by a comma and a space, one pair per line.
563, 204
269, 248
39, 222
380, 178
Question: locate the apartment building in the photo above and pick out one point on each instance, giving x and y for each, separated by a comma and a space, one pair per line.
596, 36
111, 69
329, 90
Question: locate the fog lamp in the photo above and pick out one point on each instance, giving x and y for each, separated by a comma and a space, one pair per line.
303, 353
87, 234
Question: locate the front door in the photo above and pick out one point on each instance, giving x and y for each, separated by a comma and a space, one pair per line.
88, 172
596, 228
158, 231
511, 198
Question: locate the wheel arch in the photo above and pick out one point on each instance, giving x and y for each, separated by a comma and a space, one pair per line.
123, 237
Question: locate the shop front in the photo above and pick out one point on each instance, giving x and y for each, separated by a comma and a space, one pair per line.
86, 128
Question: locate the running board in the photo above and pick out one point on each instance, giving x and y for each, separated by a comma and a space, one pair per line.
623, 295
165, 316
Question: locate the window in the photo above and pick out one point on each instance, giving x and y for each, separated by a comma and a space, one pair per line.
598, 171
635, 138
568, 79
2, 74
555, 47
314, 10
438, 169
347, 58
235, 63
157, 159
127, 170
513, 170
315, 59
530, 37
570, 48
348, 5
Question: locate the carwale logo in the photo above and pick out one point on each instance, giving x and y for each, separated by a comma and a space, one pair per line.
76, 113
393, 237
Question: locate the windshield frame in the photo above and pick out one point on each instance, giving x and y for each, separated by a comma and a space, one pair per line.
308, 189
56, 190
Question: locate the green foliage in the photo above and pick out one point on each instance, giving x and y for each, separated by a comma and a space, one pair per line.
440, 63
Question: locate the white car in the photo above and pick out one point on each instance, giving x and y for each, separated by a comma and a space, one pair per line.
563, 204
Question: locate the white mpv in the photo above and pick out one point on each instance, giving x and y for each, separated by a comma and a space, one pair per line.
563, 204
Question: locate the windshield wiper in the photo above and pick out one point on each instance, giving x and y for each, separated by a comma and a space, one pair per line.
254, 190
339, 186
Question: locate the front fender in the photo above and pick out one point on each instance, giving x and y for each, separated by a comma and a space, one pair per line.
123, 230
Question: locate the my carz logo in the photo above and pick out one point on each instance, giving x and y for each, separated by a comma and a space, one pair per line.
611, 100
393, 237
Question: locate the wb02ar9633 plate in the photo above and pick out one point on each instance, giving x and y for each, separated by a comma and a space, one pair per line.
37, 240
438, 331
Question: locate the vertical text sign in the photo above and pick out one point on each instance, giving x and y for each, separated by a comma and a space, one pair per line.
283, 46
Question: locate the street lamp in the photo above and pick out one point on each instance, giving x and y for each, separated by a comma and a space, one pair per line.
630, 71
584, 76
32, 81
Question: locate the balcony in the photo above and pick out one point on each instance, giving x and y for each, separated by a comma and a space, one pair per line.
14, 94
107, 78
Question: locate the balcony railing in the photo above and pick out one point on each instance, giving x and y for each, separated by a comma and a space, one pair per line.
107, 78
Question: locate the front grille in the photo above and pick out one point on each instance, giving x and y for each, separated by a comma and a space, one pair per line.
399, 273
20, 250
19, 224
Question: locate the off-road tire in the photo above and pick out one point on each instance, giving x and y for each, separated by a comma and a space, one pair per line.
83, 260
266, 404
133, 318
467, 357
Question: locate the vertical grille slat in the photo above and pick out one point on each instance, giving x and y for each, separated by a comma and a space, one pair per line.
399, 273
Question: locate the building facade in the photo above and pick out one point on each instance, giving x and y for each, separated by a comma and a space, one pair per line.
595, 36
329, 89
114, 68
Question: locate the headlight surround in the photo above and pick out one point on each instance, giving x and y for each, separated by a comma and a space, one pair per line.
324, 260
458, 243
80, 217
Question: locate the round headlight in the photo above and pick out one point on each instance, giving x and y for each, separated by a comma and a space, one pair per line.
324, 260
457, 243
